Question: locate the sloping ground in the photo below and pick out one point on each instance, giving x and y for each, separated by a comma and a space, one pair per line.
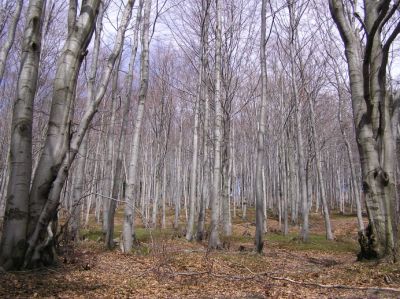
165, 265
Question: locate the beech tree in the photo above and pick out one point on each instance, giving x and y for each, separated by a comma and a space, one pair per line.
127, 232
214, 241
261, 132
202, 132
17, 211
6, 47
367, 61
54, 164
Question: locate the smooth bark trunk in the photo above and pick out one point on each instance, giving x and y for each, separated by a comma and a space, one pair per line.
13, 243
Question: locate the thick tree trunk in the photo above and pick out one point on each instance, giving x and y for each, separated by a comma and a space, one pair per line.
13, 243
34, 251
58, 132
372, 120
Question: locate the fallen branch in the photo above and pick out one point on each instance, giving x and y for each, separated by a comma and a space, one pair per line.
335, 286
303, 283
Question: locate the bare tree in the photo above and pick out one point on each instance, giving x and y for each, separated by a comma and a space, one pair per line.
127, 233
16, 214
37, 248
372, 110
6, 47
214, 241
261, 133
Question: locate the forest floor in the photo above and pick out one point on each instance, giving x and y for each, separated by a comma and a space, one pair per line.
164, 265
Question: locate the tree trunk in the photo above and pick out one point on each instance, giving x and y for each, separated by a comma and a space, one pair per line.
356, 190
110, 161
205, 97
58, 132
13, 243
77, 190
35, 249
328, 228
299, 135
260, 135
91, 93
6, 47
133, 164
225, 155
214, 241
372, 120
179, 180
193, 173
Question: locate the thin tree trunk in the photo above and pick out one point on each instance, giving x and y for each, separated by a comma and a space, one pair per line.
299, 135
108, 178
328, 228
356, 190
214, 241
112, 177
133, 164
225, 207
77, 190
205, 96
260, 135
91, 93
6, 47
193, 173
179, 179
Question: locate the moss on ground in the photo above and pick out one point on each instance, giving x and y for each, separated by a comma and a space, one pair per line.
315, 242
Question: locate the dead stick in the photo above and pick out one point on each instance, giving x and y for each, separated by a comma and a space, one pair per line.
267, 274
335, 286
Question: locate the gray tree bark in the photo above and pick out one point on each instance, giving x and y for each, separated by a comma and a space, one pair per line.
328, 227
356, 190
35, 249
13, 243
133, 164
58, 132
260, 134
205, 97
6, 47
77, 190
193, 173
372, 121
214, 241
299, 135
